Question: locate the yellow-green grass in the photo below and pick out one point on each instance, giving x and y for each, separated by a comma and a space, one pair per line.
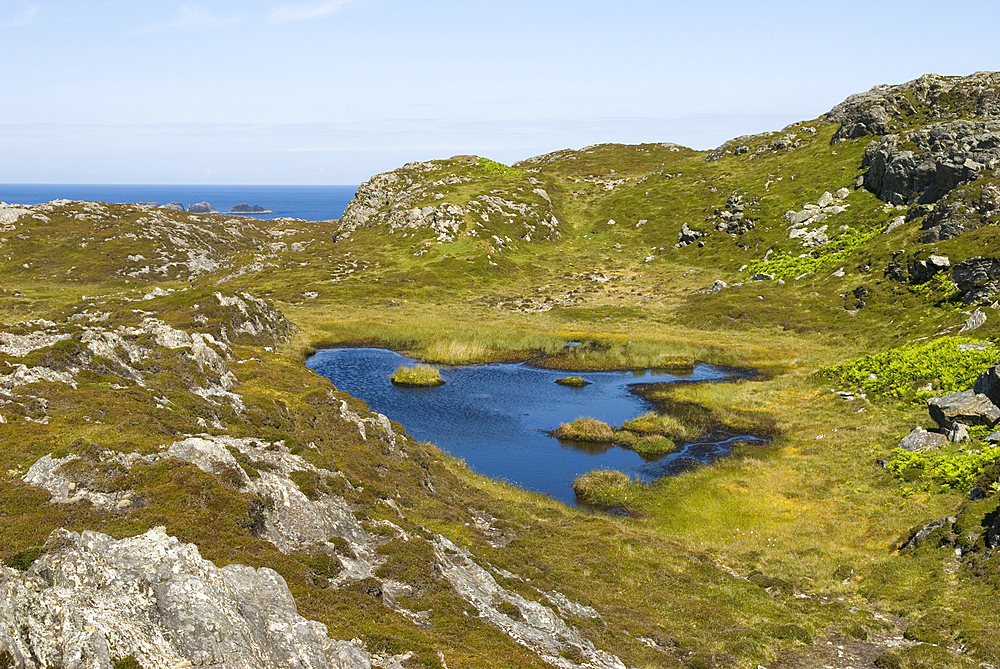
417, 377
573, 381
585, 429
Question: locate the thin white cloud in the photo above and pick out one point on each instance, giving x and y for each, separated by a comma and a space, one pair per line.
22, 20
307, 11
193, 16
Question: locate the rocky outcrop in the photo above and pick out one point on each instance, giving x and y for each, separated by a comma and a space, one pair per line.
91, 600
407, 200
293, 521
966, 407
922, 271
961, 210
924, 165
808, 225
247, 209
978, 279
988, 384
687, 236
528, 622
733, 218
885, 109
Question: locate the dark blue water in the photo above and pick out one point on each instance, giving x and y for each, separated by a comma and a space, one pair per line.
497, 417
312, 203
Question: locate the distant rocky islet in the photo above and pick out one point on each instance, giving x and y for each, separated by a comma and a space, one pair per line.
206, 208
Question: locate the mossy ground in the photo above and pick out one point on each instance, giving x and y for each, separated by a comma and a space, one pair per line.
808, 520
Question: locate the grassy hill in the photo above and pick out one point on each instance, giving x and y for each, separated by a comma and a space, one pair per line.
126, 331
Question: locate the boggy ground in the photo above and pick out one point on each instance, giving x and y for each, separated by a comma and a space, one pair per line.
776, 556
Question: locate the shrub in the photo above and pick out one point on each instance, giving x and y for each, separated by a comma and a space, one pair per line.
894, 373
416, 377
585, 429
957, 470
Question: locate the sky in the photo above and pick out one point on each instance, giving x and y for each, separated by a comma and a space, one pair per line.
334, 91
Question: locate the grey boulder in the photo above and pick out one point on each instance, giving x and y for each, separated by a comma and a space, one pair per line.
967, 407
922, 440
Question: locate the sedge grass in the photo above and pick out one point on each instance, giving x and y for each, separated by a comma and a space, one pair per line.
585, 429
417, 377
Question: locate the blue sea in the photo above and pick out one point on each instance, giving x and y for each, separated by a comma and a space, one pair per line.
311, 203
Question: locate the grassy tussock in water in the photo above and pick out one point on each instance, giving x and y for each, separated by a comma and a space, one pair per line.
604, 487
585, 429
419, 376
660, 424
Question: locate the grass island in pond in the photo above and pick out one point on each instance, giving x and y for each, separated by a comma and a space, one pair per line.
421, 376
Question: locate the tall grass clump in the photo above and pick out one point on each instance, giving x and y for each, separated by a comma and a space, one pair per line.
416, 377
585, 429
654, 423
604, 487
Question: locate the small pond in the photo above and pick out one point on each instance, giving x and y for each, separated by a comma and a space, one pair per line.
498, 416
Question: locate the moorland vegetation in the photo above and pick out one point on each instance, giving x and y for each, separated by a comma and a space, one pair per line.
152, 377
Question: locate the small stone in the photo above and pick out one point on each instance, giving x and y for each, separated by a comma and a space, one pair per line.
895, 223
976, 320
825, 200
842, 193
959, 432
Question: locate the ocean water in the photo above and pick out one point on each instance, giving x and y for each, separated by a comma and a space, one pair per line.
312, 203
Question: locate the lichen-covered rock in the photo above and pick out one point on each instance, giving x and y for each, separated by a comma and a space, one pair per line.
90, 600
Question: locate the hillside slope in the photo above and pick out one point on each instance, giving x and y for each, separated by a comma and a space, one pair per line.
178, 488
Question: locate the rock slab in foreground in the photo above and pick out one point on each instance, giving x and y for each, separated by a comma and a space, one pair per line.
90, 600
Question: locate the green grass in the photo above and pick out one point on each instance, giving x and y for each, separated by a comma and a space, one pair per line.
940, 363
807, 520
584, 429
417, 377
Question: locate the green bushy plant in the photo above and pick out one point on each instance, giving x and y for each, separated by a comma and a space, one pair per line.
893, 373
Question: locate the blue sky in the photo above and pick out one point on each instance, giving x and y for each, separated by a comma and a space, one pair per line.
333, 91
